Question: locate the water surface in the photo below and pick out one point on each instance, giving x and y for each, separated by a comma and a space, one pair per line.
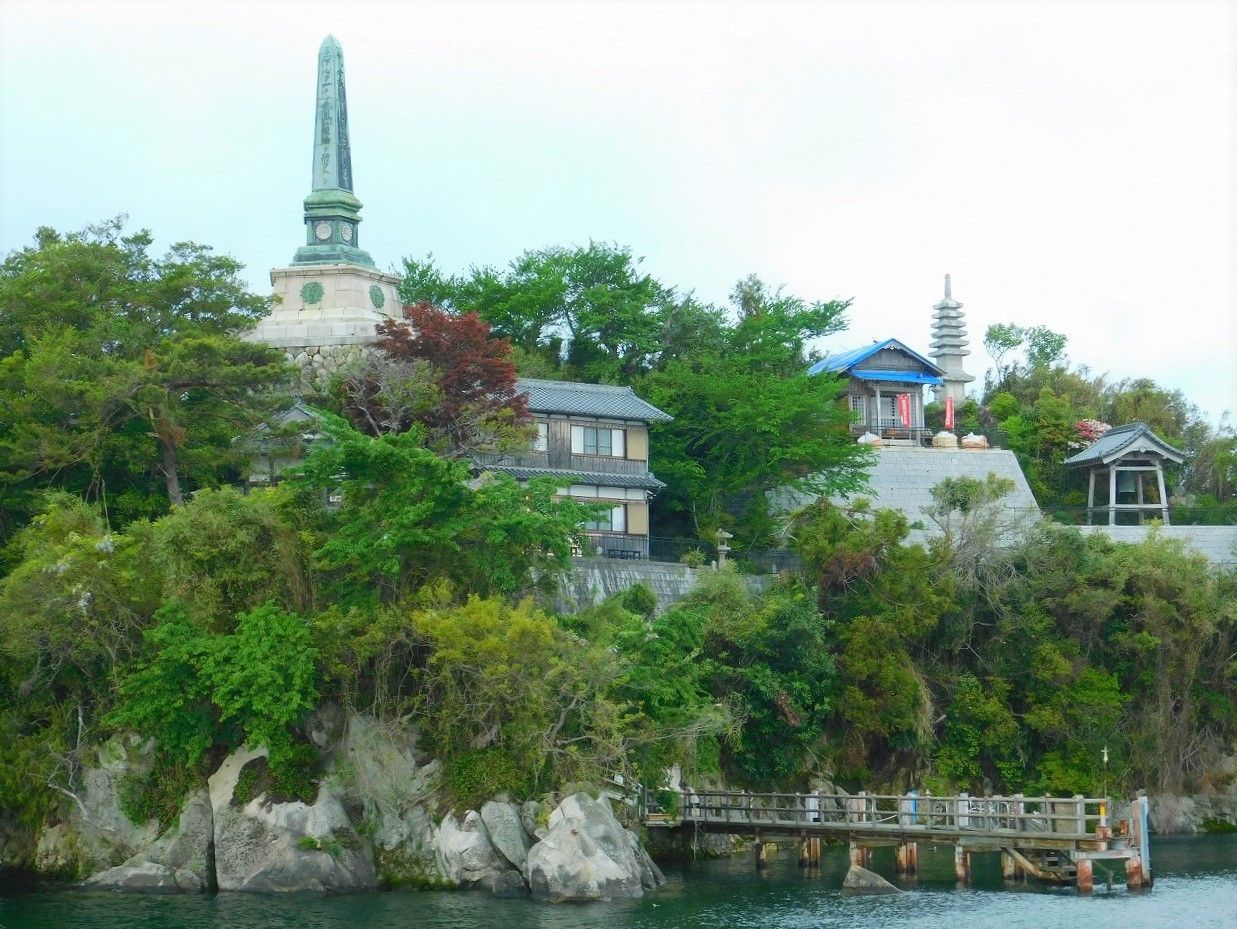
1196, 887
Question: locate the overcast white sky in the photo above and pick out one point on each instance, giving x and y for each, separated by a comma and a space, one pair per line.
1071, 164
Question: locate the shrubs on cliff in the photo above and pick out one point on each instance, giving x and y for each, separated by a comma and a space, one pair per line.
197, 689
960, 665
408, 517
973, 665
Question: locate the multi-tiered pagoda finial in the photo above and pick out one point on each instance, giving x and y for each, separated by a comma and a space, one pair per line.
949, 346
332, 211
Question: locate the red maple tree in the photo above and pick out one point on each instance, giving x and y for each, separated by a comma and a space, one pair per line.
476, 402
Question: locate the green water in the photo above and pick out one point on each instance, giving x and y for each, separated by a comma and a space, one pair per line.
1196, 888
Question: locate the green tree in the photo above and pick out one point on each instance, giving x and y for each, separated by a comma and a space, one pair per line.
409, 517
886, 600
981, 739
225, 552
120, 372
594, 297
773, 661
1000, 339
748, 419
73, 608
1043, 436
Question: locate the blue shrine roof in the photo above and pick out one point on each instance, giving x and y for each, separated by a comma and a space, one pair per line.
925, 372
898, 377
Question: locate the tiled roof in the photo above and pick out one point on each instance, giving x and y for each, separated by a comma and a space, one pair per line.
1117, 441
600, 400
844, 361
600, 478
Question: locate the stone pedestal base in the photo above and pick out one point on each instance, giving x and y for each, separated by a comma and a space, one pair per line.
327, 305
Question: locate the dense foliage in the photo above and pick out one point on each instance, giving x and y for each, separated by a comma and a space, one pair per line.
747, 417
383, 576
122, 378
1046, 409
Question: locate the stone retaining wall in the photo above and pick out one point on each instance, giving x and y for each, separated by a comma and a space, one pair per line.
592, 580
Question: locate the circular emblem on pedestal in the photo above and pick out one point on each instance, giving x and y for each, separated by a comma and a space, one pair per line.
312, 292
376, 296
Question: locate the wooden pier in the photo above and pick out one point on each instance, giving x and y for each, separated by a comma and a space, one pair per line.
1055, 839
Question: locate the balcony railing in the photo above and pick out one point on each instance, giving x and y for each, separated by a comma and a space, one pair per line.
893, 429
672, 551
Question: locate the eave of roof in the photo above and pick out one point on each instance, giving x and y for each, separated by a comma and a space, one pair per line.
897, 377
600, 478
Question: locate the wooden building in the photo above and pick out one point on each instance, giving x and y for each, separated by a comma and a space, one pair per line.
878, 375
1122, 461
595, 438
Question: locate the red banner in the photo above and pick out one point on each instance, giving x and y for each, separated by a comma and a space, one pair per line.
949, 413
904, 409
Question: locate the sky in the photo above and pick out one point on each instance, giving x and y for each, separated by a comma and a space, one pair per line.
1072, 165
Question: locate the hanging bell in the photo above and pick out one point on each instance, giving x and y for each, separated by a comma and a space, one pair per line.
1126, 482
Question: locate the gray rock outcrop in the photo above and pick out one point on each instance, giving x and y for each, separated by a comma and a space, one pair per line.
862, 881
96, 833
181, 861
588, 855
467, 856
530, 816
1173, 815
374, 815
395, 786
147, 877
265, 846
507, 832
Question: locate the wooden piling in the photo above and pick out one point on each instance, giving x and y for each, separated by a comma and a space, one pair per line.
859, 856
1085, 876
805, 853
762, 855
1009, 867
907, 857
962, 865
814, 851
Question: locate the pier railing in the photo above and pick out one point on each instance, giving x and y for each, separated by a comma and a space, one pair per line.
1066, 817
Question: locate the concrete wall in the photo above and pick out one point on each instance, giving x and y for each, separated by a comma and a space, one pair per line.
592, 580
903, 477
1218, 544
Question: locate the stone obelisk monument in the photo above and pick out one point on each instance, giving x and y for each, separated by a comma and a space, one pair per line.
949, 346
328, 301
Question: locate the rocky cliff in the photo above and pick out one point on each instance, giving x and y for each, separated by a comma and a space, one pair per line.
378, 819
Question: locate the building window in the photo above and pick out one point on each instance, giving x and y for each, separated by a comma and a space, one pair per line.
542, 442
593, 440
613, 521
592, 491
857, 405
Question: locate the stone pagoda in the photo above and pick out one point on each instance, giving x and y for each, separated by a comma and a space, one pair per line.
328, 301
949, 347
